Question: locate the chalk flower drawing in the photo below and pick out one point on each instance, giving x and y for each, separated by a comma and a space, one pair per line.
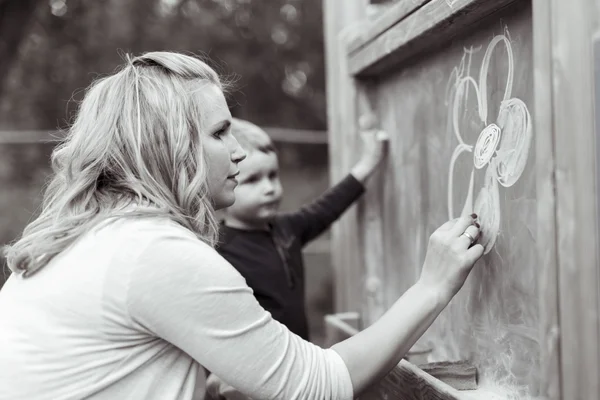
503, 144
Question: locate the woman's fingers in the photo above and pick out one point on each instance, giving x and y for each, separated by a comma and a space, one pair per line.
470, 235
448, 225
461, 225
451, 255
474, 253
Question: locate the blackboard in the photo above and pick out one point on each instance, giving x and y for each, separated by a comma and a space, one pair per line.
460, 120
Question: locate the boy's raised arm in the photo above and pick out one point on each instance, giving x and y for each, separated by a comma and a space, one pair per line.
313, 219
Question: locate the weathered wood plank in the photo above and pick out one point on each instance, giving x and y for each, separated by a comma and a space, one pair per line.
405, 382
342, 119
370, 228
576, 227
431, 26
546, 209
372, 29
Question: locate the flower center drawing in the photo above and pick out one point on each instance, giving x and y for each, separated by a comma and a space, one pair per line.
486, 145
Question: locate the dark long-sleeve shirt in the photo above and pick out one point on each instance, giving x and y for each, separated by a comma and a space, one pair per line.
271, 261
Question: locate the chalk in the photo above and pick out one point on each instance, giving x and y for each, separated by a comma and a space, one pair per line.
461, 375
368, 125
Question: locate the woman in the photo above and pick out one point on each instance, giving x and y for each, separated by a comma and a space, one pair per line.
116, 289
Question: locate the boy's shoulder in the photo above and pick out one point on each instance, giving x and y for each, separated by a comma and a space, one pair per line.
229, 236
226, 235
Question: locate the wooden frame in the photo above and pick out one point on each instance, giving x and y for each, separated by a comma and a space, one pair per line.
406, 381
360, 48
415, 31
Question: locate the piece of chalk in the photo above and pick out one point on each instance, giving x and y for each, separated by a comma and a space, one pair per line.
382, 135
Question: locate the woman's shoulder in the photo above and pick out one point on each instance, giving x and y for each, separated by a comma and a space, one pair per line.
162, 249
147, 232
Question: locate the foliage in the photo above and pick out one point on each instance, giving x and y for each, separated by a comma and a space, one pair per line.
274, 48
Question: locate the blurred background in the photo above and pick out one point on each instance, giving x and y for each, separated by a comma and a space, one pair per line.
51, 50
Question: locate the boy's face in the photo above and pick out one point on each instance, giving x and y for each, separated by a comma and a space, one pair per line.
259, 192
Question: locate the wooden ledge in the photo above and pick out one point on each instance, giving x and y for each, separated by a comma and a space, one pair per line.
406, 381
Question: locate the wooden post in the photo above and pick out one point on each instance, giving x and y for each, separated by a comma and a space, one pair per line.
341, 17
577, 238
371, 232
546, 217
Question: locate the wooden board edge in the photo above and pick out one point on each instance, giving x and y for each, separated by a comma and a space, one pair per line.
549, 381
576, 219
341, 121
388, 18
431, 26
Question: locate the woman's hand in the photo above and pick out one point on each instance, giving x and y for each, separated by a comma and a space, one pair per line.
451, 254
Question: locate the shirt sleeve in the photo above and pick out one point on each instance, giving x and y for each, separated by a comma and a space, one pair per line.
313, 219
183, 291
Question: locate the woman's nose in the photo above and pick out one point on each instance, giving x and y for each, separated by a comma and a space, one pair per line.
238, 153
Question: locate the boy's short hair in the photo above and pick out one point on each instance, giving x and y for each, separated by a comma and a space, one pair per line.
251, 137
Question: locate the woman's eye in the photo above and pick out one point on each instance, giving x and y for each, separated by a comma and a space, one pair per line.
219, 133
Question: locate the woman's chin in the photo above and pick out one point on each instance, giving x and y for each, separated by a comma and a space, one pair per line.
223, 201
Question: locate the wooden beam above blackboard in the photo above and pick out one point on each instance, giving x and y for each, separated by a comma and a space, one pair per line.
385, 21
432, 25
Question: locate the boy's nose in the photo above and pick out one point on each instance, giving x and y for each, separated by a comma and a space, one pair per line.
269, 188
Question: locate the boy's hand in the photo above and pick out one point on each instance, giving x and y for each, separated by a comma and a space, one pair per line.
375, 145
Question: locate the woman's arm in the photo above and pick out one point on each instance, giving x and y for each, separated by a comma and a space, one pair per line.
373, 352
184, 292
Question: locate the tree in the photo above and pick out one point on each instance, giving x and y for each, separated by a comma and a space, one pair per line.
15, 16
274, 48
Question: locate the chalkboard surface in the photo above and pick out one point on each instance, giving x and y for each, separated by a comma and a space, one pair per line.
462, 141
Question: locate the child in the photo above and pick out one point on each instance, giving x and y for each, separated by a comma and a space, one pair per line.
265, 246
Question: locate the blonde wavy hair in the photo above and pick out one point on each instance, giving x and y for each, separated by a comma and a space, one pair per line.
136, 139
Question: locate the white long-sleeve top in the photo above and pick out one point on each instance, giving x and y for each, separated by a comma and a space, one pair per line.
132, 309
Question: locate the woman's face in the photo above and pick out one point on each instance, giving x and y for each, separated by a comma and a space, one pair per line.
221, 149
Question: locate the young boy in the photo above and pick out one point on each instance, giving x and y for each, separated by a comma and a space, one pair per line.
266, 246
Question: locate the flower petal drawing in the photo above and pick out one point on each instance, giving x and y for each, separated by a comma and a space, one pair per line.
487, 207
483, 74
457, 152
515, 122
